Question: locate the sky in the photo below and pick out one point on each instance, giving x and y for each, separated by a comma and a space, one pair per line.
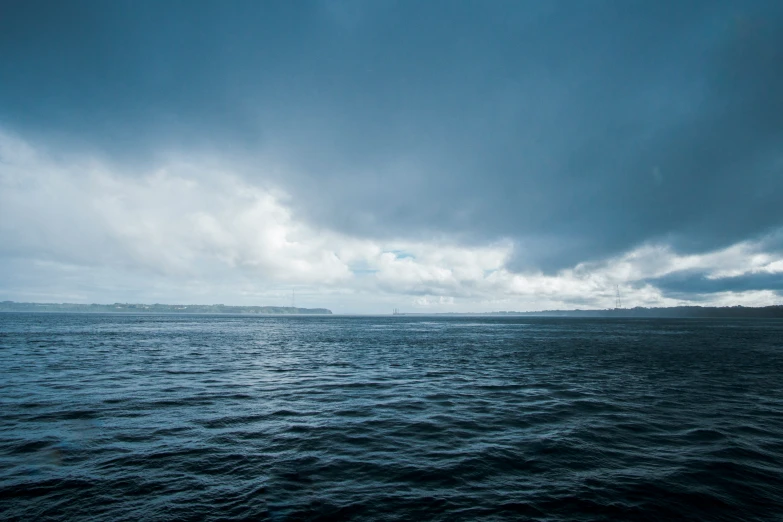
438, 156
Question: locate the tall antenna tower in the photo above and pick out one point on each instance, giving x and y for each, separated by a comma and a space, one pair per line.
293, 298
618, 303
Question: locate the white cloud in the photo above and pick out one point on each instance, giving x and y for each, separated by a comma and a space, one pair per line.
76, 229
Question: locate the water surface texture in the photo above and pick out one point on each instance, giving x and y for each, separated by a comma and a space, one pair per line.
123, 417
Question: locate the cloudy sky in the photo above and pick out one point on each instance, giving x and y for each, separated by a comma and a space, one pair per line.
369, 154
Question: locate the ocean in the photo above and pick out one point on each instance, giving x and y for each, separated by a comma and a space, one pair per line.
177, 417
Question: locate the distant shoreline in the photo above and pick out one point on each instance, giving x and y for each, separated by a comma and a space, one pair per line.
674, 312
138, 308
681, 312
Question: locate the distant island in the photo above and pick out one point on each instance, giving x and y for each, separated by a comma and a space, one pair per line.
11, 306
775, 311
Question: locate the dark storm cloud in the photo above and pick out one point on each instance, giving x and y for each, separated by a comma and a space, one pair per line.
579, 129
684, 284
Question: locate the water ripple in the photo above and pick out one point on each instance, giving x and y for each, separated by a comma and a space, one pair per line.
122, 417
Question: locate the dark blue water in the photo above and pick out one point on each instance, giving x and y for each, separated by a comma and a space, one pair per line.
121, 417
